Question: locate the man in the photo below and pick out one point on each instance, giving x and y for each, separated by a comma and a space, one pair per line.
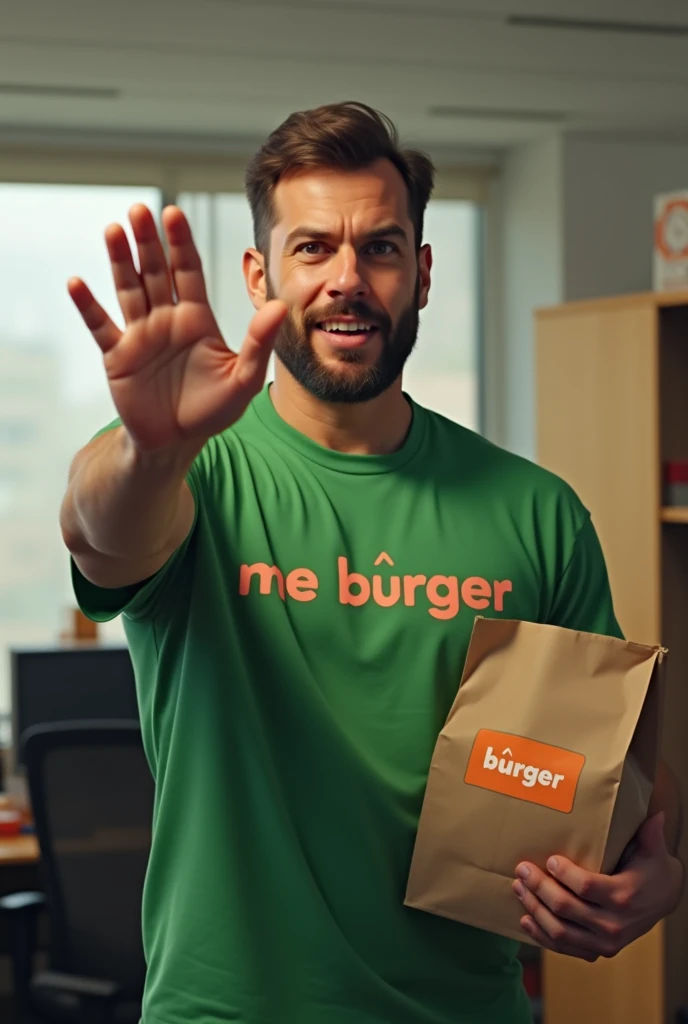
289, 567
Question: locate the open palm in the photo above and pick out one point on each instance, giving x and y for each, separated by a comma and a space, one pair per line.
171, 375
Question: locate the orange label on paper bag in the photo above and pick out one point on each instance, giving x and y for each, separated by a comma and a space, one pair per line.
524, 769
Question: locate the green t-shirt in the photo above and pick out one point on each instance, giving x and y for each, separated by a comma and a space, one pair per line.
295, 661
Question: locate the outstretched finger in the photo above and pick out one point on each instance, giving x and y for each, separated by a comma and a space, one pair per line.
155, 271
254, 355
131, 294
185, 262
104, 330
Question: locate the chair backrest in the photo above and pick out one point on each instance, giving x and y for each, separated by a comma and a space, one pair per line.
91, 793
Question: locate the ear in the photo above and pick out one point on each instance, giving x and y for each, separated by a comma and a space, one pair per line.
424, 268
256, 277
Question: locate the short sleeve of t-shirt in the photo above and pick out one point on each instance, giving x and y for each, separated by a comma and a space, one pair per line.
583, 598
138, 601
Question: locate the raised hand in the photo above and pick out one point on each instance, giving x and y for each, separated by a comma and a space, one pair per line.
171, 375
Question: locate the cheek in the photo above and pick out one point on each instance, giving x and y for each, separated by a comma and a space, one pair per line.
399, 294
401, 312
302, 284
296, 324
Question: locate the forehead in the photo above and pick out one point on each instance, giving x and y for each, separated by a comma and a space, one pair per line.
327, 194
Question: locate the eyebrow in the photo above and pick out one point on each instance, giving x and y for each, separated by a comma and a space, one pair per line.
318, 235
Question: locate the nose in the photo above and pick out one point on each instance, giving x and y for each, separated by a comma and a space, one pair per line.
346, 278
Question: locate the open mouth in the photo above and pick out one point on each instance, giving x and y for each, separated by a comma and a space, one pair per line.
348, 330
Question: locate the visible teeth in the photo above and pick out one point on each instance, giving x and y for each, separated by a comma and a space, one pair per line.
338, 325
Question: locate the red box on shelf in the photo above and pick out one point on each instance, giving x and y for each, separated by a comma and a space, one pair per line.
676, 483
532, 980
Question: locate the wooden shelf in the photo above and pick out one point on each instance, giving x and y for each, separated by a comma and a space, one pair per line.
653, 299
625, 362
675, 515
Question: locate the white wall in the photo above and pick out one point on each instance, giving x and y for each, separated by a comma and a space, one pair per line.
575, 218
609, 187
531, 276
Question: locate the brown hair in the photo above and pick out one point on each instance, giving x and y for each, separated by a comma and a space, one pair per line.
350, 136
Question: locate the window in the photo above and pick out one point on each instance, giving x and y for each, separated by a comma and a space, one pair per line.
223, 230
53, 390
442, 372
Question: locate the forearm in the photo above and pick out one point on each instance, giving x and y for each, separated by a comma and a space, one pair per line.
121, 503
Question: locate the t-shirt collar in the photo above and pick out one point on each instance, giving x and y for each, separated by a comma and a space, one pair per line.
262, 406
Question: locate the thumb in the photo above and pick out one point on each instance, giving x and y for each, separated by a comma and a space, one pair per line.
254, 355
650, 838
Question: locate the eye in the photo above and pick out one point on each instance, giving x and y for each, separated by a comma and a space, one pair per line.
390, 248
377, 248
309, 245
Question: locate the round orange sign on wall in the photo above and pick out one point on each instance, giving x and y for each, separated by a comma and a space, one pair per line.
671, 230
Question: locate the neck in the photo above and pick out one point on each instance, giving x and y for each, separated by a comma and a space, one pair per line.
377, 427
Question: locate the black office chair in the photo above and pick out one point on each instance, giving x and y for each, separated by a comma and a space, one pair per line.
91, 793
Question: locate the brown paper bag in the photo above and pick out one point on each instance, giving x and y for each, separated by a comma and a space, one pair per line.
551, 746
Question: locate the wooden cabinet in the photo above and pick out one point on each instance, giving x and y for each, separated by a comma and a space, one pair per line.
612, 409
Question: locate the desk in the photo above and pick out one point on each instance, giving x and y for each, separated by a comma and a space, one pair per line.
16, 850
19, 872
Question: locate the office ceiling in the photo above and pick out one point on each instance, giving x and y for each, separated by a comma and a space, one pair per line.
456, 75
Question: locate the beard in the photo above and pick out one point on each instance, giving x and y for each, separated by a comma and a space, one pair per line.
352, 379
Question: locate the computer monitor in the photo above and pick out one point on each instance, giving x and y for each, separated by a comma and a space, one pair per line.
69, 683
